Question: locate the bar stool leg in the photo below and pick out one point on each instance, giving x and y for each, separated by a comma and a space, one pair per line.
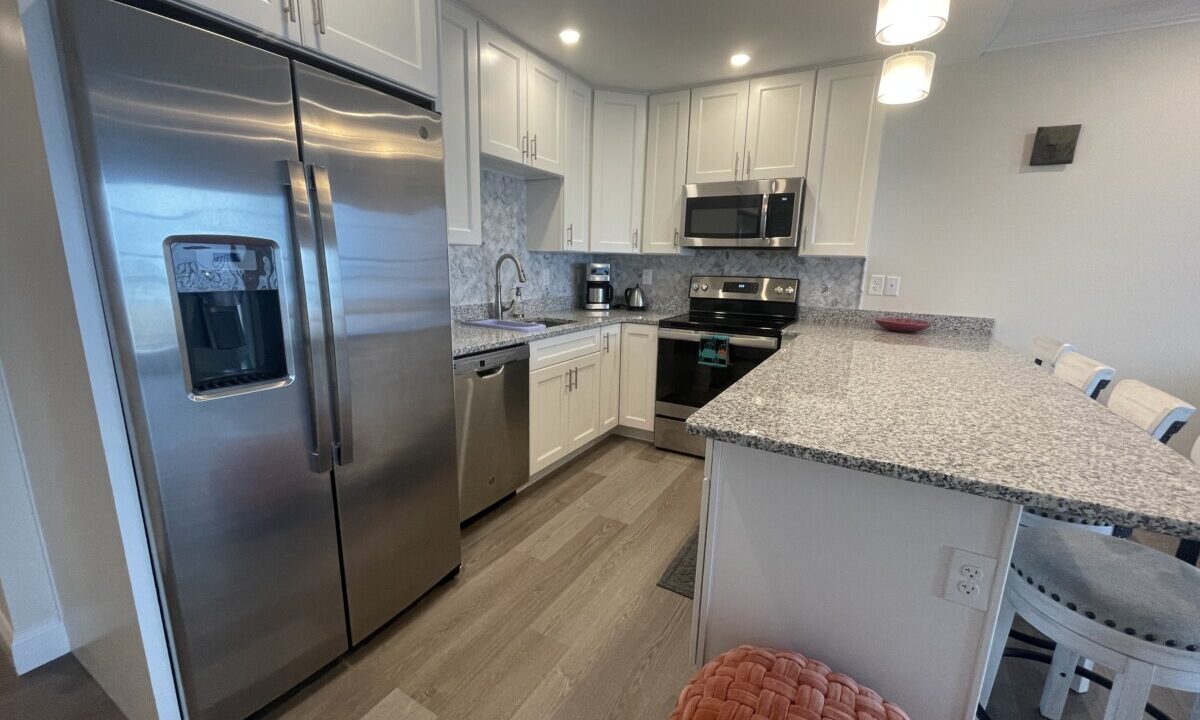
1058, 682
1130, 692
1004, 623
1081, 684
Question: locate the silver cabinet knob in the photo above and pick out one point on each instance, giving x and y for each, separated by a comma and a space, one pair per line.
778, 289
704, 286
695, 286
790, 290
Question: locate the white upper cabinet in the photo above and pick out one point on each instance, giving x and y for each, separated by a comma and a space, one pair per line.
396, 39
523, 101
459, 102
618, 170
717, 132
547, 97
282, 18
666, 166
843, 162
778, 125
577, 151
502, 101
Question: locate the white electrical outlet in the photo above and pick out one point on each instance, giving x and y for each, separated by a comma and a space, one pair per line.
969, 579
647, 276
875, 287
892, 286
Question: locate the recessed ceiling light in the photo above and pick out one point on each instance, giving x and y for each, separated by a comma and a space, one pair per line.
569, 36
739, 60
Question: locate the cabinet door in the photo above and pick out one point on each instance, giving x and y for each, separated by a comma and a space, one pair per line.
502, 85
610, 377
639, 363
459, 103
843, 162
666, 165
577, 150
778, 126
717, 132
547, 101
396, 39
548, 413
281, 18
583, 416
618, 170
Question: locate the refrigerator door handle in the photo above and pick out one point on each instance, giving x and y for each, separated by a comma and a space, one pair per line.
335, 313
311, 316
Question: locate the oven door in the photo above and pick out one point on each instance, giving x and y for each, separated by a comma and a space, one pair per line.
684, 384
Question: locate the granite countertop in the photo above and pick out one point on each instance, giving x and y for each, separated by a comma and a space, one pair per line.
471, 339
959, 411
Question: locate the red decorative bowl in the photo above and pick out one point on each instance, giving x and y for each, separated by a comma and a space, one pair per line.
901, 325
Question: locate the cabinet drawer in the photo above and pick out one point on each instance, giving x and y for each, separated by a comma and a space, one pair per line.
544, 353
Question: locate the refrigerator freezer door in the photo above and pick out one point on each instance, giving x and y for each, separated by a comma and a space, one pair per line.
184, 141
377, 166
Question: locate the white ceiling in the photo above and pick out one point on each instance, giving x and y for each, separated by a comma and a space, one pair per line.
661, 44
664, 44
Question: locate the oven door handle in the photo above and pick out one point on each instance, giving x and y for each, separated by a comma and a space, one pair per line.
752, 341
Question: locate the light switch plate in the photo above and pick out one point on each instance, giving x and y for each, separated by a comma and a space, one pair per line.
545, 278
969, 578
875, 287
647, 276
891, 287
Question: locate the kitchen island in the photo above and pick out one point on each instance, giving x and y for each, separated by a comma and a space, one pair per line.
844, 473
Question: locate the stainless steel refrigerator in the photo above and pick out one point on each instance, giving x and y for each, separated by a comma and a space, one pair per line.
271, 246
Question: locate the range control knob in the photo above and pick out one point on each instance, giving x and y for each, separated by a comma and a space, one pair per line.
778, 289
704, 286
790, 290
695, 286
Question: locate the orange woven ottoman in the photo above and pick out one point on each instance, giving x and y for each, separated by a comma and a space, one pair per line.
752, 683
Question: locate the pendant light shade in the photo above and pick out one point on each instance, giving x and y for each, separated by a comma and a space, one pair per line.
906, 77
904, 22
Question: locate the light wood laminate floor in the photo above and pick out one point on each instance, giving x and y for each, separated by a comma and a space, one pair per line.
556, 615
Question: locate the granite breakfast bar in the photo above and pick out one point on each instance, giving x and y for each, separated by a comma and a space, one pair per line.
847, 473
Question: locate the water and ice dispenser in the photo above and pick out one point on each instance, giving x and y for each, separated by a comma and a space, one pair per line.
230, 312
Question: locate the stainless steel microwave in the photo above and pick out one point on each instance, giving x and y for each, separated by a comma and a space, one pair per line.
743, 214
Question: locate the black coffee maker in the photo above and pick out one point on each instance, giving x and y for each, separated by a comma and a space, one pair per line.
598, 290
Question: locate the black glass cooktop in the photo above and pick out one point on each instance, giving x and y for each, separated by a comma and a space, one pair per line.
765, 325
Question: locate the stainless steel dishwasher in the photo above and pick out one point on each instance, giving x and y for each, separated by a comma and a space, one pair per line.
491, 407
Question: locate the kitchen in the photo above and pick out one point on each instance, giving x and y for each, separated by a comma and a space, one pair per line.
737, 381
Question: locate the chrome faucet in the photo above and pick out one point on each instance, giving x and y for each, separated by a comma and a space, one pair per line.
501, 308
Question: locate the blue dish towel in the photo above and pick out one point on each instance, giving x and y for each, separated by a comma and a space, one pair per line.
714, 351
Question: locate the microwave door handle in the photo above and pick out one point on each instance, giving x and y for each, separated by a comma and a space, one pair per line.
762, 220
335, 311
308, 283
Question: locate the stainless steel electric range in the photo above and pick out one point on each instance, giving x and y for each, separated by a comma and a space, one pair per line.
732, 325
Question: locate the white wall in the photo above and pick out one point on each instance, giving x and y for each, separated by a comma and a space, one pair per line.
1103, 253
31, 627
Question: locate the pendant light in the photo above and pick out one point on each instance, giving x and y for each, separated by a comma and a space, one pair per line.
905, 22
906, 77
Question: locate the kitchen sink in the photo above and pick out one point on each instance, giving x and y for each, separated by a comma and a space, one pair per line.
526, 325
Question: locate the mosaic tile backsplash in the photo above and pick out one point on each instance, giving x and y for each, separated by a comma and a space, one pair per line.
824, 282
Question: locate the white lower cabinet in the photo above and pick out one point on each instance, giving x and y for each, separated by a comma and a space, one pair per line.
610, 377
583, 402
639, 366
549, 395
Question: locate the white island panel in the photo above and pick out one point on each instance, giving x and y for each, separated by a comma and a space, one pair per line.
848, 568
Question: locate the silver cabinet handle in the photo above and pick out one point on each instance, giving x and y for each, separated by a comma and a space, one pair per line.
635, 238
737, 159
335, 316
289, 6
571, 234
308, 282
319, 10
676, 242
524, 145
746, 170
533, 147
606, 338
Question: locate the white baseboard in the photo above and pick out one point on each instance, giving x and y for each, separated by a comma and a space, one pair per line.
38, 646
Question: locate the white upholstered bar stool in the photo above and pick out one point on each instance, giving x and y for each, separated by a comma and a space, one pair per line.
1126, 606
1047, 350
1090, 376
